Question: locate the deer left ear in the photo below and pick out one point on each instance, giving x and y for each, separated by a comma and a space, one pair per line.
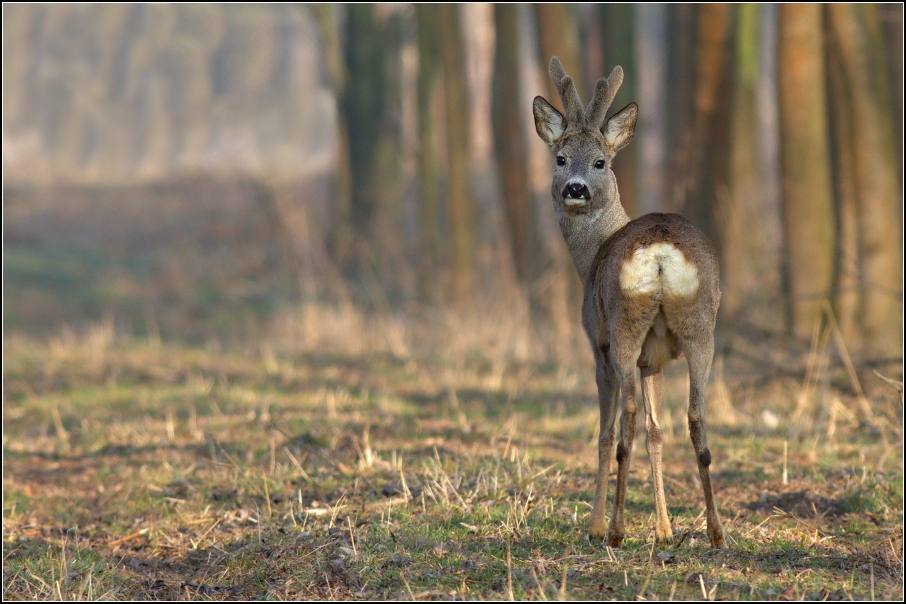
618, 130
549, 123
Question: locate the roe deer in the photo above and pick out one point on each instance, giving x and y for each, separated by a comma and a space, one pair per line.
651, 292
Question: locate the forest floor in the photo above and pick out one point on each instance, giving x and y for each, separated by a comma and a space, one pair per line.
139, 470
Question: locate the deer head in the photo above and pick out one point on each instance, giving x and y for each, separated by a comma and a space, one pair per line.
583, 142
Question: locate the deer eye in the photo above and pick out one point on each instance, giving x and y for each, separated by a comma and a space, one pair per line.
561, 161
599, 164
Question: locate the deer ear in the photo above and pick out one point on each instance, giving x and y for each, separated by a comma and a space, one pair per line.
549, 123
618, 130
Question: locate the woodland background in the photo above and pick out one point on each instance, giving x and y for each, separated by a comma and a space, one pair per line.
286, 313
203, 171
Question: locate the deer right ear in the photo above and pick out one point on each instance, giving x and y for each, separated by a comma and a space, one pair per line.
549, 123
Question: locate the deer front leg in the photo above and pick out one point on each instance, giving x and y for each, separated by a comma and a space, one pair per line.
607, 400
651, 395
699, 355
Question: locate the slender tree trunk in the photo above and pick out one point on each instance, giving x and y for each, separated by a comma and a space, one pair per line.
456, 105
860, 40
773, 310
427, 173
558, 35
740, 216
807, 200
339, 239
510, 144
848, 291
681, 93
707, 151
618, 25
651, 130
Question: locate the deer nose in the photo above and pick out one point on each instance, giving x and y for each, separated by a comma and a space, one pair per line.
577, 190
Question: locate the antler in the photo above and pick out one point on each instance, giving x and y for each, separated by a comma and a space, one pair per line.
605, 90
572, 104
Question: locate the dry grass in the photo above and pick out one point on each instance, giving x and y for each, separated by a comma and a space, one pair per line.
429, 458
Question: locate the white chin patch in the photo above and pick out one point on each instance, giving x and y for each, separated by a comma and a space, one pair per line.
572, 202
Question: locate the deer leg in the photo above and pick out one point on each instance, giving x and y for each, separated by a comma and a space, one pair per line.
699, 355
625, 370
651, 395
607, 400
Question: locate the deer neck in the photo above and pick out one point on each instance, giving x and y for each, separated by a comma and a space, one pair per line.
586, 232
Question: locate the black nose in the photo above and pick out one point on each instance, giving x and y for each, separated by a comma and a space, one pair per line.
576, 190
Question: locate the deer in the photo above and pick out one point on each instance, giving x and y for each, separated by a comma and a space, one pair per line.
650, 293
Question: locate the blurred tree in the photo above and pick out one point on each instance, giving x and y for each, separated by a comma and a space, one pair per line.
371, 106
427, 172
682, 22
651, 131
848, 291
858, 36
339, 240
708, 143
510, 144
618, 24
807, 200
456, 110
741, 220
558, 35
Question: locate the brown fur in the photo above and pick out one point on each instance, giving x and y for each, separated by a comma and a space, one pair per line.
666, 306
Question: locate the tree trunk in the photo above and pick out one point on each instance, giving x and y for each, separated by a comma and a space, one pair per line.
807, 200
428, 183
651, 130
773, 311
558, 35
858, 35
510, 144
618, 24
707, 151
683, 19
745, 259
339, 240
456, 109
848, 291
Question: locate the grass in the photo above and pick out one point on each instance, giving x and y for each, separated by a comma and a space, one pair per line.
306, 468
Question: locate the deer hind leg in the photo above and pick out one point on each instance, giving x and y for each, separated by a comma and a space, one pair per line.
699, 354
624, 352
608, 392
651, 395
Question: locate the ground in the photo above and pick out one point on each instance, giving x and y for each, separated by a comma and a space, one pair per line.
135, 469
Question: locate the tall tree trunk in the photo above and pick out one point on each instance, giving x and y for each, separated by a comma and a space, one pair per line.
428, 183
558, 35
741, 218
707, 150
339, 240
848, 290
651, 131
774, 310
683, 19
456, 109
510, 144
618, 25
807, 200
858, 33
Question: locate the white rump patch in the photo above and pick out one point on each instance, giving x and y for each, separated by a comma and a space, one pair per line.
660, 267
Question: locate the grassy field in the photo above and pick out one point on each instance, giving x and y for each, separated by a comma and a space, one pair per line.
139, 470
